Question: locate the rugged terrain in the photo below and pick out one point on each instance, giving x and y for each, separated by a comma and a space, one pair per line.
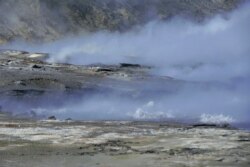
23, 73
29, 143
45, 20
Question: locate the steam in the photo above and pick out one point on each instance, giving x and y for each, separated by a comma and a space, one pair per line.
178, 48
218, 119
215, 54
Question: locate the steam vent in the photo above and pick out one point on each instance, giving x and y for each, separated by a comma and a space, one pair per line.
118, 83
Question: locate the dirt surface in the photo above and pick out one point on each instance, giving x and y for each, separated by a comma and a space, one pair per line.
46, 143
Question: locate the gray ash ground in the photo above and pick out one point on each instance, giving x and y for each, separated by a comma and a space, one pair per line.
26, 142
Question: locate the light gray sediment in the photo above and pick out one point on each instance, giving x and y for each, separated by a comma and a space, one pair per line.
117, 143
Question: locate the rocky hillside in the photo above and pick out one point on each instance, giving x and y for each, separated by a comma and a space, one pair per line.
50, 19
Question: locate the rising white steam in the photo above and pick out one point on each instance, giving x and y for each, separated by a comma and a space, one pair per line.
216, 119
215, 53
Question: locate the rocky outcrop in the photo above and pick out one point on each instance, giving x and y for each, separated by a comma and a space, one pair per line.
24, 73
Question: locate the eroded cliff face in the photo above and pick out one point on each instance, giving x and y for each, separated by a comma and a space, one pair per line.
46, 20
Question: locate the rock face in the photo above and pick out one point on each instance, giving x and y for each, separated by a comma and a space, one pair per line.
47, 20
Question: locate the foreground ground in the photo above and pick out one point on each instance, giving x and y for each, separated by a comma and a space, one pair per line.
28, 143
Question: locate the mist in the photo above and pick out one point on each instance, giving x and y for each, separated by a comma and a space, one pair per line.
214, 53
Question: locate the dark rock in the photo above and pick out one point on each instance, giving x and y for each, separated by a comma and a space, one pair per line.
150, 152
205, 125
27, 92
52, 118
36, 66
244, 139
105, 70
130, 65
190, 151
